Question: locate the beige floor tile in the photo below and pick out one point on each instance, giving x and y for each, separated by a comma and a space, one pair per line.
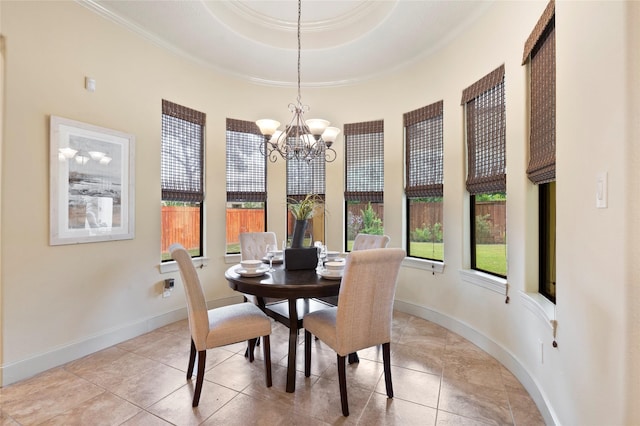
322, 402
145, 419
478, 402
481, 371
393, 411
438, 378
176, 407
237, 373
6, 420
104, 410
364, 374
244, 410
419, 332
46, 395
450, 419
427, 357
413, 386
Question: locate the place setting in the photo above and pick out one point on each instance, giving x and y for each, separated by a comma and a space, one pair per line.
252, 268
330, 266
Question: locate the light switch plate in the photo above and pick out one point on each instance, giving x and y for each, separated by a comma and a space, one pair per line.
601, 190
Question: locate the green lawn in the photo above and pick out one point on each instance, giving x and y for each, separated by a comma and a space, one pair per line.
492, 258
427, 250
489, 257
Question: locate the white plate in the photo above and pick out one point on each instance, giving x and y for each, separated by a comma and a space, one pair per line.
245, 273
330, 275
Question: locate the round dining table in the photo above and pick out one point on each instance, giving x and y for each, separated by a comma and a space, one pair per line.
297, 289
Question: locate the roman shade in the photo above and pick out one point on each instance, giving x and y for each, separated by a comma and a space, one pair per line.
424, 153
364, 158
246, 166
182, 153
484, 103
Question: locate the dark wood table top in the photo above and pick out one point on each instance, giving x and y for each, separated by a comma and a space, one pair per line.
283, 284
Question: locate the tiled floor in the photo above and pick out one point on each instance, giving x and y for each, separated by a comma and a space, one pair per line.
438, 378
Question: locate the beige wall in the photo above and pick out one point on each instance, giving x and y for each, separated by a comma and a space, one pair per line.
59, 302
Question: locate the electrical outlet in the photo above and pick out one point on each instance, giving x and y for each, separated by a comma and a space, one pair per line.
168, 287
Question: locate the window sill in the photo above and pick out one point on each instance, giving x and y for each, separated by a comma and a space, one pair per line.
540, 306
172, 266
424, 264
488, 281
232, 258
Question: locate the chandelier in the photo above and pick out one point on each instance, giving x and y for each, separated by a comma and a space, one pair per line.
301, 140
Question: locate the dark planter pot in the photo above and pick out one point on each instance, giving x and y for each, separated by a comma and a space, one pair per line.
298, 233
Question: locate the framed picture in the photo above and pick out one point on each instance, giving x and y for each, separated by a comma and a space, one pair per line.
91, 183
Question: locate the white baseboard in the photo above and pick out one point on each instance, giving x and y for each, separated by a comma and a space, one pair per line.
504, 356
56, 357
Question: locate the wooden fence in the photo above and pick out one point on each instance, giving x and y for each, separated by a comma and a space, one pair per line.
243, 220
180, 224
185, 221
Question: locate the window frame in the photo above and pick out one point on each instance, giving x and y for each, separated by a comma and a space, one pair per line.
540, 56
371, 134
172, 188
427, 181
235, 193
486, 158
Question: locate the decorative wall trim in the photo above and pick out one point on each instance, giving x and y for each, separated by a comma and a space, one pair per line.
500, 353
61, 355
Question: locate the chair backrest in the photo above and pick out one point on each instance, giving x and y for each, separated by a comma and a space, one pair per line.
253, 244
366, 242
365, 303
196, 304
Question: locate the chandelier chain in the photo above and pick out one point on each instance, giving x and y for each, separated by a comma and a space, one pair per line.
299, 49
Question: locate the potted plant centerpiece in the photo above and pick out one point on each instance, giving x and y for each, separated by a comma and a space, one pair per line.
303, 210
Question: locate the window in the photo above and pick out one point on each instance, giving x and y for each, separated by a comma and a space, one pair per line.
246, 182
540, 54
424, 182
364, 158
307, 177
182, 171
486, 172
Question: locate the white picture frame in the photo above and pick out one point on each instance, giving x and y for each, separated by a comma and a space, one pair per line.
92, 183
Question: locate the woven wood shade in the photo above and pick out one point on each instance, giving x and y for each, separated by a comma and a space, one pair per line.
540, 51
306, 178
182, 173
486, 134
364, 158
246, 166
424, 151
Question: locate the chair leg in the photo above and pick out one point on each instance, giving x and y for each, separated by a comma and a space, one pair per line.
252, 345
353, 358
202, 357
266, 350
192, 360
307, 353
342, 378
246, 351
386, 359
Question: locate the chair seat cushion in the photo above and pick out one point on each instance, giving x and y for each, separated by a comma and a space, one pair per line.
236, 323
322, 324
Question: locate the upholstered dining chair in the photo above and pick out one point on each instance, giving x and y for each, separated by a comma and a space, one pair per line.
366, 241
211, 328
363, 316
253, 245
